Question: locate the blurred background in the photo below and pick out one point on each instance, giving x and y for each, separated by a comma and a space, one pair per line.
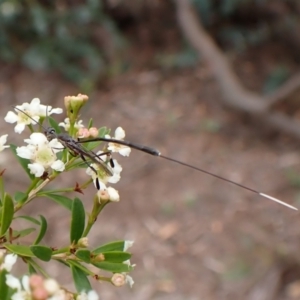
171, 87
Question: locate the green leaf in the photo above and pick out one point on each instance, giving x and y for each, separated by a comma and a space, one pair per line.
113, 267
20, 197
30, 219
80, 279
7, 214
43, 230
42, 252
116, 256
114, 246
62, 200
54, 125
90, 123
3, 286
19, 250
23, 232
31, 269
84, 255
2, 189
77, 221
24, 162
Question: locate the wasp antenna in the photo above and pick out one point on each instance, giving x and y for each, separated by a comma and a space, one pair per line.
230, 181
278, 201
23, 112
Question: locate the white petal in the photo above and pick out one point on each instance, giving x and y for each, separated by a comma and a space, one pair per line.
36, 169
56, 111
11, 117
9, 261
119, 133
56, 145
115, 178
19, 128
92, 295
38, 138
125, 151
129, 280
113, 194
58, 165
24, 152
35, 102
3, 139
25, 283
127, 245
13, 282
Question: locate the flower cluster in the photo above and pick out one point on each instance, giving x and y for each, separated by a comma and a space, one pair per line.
42, 152
44, 156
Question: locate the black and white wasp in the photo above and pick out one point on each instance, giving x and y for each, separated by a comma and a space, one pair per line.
76, 148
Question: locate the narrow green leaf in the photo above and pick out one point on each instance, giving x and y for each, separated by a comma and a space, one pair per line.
84, 255
80, 280
42, 252
54, 125
7, 213
62, 200
19, 250
30, 219
114, 246
113, 267
90, 123
31, 269
2, 189
116, 256
43, 230
23, 232
24, 162
77, 221
20, 197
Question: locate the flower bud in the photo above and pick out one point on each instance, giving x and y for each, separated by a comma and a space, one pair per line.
118, 279
93, 132
51, 286
35, 281
103, 195
83, 133
73, 105
83, 242
39, 293
99, 257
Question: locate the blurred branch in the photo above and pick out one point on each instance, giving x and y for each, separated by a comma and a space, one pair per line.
289, 87
234, 94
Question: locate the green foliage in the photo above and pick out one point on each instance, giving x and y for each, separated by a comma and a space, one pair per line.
50, 35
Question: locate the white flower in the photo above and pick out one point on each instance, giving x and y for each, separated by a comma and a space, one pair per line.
3, 139
117, 169
91, 295
9, 261
41, 153
32, 113
114, 147
66, 124
23, 290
